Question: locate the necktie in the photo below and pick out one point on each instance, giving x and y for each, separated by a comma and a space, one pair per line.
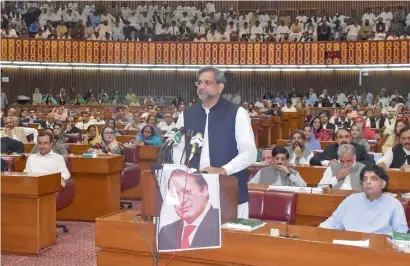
185, 237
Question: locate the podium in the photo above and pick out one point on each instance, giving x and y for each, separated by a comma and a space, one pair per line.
151, 202
28, 211
97, 189
120, 242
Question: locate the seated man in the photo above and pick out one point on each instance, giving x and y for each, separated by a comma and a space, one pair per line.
46, 161
299, 154
274, 111
324, 119
11, 131
167, 124
70, 126
342, 120
27, 130
343, 136
120, 117
85, 122
9, 145
50, 121
278, 173
57, 148
399, 155
370, 211
345, 174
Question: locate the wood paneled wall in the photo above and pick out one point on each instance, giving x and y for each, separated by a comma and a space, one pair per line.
249, 84
330, 6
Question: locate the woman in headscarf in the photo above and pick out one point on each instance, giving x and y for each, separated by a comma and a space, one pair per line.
310, 142
93, 135
367, 133
319, 132
111, 124
147, 136
108, 144
357, 137
394, 138
60, 113
59, 135
116, 98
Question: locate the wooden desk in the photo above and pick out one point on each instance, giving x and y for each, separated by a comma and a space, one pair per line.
124, 138
28, 147
147, 156
79, 149
28, 211
119, 242
97, 187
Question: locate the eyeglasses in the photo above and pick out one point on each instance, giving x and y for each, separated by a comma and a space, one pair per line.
206, 82
108, 133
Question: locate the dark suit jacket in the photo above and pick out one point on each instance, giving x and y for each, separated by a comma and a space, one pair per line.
207, 234
330, 153
331, 126
381, 123
9, 145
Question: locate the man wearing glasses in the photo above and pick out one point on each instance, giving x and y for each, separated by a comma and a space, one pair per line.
229, 145
167, 124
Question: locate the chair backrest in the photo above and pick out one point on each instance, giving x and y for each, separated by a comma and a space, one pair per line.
131, 154
123, 131
280, 206
65, 196
256, 201
9, 161
67, 147
73, 138
30, 138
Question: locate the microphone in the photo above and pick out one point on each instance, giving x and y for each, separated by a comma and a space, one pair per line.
196, 143
22, 156
174, 136
286, 235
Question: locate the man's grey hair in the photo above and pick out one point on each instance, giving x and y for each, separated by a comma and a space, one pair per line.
219, 74
346, 148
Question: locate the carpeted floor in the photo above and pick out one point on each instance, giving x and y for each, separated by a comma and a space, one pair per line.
75, 248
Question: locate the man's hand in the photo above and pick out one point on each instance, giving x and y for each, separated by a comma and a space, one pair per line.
405, 167
298, 151
283, 169
382, 164
215, 170
343, 173
8, 131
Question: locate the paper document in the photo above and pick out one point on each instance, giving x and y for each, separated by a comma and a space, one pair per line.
356, 243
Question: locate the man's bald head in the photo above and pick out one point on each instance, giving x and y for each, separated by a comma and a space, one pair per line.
12, 112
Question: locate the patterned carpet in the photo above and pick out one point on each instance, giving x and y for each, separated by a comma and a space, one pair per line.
75, 248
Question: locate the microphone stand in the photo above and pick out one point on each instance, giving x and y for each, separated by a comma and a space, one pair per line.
287, 235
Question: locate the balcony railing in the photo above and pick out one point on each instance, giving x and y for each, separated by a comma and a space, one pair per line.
191, 53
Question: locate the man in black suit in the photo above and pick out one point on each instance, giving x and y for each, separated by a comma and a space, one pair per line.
343, 121
199, 225
324, 119
329, 155
9, 145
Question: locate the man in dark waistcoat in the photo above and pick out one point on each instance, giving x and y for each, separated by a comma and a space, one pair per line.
229, 144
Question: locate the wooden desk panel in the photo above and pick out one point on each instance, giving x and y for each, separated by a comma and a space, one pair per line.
124, 138
147, 156
120, 243
79, 149
28, 147
97, 188
28, 211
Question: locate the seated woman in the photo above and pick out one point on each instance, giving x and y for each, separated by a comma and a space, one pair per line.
108, 144
310, 142
319, 132
111, 124
59, 135
60, 113
357, 137
393, 139
152, 121
367, 133
93, 136
147, 136
116, 98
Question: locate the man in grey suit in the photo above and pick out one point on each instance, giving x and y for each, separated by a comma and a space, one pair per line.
199, 225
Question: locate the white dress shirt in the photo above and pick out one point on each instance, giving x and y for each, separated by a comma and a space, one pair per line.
200, 30
81, 125
387, 158
165, 127
302, 160
329, 178
173, 30
50, 163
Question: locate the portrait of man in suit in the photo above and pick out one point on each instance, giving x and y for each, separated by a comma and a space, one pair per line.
199, 224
